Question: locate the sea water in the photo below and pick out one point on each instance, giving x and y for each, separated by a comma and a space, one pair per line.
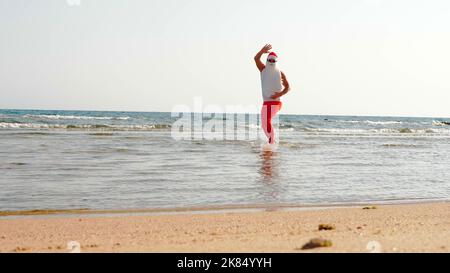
130, 160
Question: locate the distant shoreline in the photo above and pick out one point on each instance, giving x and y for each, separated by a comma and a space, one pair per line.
213, 209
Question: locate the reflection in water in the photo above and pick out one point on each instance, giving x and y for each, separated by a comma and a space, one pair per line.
269, 174
268, 164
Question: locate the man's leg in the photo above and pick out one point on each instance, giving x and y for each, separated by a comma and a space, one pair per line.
263, 121
274, 109
268, 111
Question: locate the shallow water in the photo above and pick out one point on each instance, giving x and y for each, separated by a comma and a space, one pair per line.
126, 160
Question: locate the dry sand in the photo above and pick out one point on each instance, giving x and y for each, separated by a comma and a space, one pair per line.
387, 228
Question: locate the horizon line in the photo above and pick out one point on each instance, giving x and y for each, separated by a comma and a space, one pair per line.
134, 111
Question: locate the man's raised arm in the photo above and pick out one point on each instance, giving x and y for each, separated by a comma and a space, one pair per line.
259, 64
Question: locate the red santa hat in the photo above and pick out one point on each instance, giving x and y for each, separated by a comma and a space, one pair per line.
272, 56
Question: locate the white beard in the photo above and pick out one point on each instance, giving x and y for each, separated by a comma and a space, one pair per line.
270, 81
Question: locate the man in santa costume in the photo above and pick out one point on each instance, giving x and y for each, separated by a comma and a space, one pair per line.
274, 85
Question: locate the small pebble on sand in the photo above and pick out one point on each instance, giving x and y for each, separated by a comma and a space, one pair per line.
317, 242
326, 227
19, 249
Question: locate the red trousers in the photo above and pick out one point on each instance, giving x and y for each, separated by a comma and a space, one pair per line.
268, 111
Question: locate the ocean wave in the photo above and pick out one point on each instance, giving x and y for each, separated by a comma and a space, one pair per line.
440, 123
347, 121
400, 145
286, 126
293, 145
105, 127
75, 117
371, 122
287, 129
9, 120
378, 131
383, 122
357, 131
252, 126
282, 127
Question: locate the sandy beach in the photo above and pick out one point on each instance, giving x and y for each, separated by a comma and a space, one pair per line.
385, 228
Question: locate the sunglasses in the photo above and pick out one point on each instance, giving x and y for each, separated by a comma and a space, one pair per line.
272, 61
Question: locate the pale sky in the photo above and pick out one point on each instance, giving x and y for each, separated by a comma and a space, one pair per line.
342, 57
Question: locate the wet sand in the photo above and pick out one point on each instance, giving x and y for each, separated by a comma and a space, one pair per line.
385, 228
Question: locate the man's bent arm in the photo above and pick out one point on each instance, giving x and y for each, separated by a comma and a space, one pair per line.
286, 88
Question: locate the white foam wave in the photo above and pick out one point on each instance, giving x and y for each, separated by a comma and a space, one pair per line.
371, 122
8, 125
281, 127
75, 117
253, 126
348, 121
440, 123
383, 122
422, 131
143, 127
287, 129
